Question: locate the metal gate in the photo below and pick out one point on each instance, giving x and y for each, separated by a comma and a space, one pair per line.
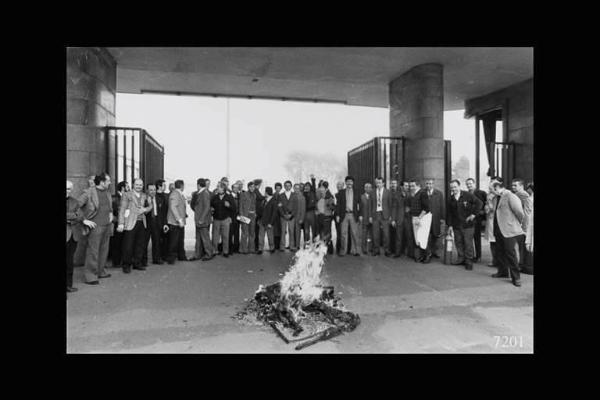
133, 153
503, 160
381, 156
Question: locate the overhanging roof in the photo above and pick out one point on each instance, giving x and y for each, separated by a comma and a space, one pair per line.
351, 75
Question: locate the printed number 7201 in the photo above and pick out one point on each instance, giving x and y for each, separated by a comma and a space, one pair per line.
509, 341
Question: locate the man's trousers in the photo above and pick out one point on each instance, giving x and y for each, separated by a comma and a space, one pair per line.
220, 231
262, 230
477, 237
152, 232
247, 241
507, 256
133, 245
287, 225
463, 238
204, 247
310, 224
349, 221
380, 224
398, 238
71, 247
176, 243
96, 252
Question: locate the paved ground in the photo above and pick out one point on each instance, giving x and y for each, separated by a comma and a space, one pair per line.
404, 307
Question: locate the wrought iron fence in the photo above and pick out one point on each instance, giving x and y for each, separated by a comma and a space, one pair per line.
380, 156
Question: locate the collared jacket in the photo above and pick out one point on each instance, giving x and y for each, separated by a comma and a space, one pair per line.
285, 205
437, 207
222, 211
527, 204
74, 220
135, 205
386, 203
202, 214
270, 214
458, 210
177, 210
247, 204
298, 206
366, 210
341, 204
510, 215
89, 203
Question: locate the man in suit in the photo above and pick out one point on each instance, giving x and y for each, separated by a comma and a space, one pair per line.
198, 249
347, 216
79, 257
176, 217
115, 252
155, 220
268, 221
437, 207
480, 216
338, 229
397, 225
277, 227
235, 228
223, 206
96, 206
132, 221
260, 202
162, 202
365, 215
518, 188
287, 218
298, 213
408, 236
381, 217
247, 209
75, 221
508, 219
463, 208
202, 220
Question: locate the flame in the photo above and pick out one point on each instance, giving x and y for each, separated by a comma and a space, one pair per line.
303, 281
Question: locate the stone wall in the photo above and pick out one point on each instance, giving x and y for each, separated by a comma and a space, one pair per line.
91, 91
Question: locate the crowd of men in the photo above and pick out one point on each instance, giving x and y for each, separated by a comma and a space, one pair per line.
404, 220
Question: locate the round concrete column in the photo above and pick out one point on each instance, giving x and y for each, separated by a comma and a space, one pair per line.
417, 112
91, 88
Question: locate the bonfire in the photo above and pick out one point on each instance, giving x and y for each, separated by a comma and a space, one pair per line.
300, 307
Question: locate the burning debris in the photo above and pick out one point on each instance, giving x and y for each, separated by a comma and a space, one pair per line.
298, 307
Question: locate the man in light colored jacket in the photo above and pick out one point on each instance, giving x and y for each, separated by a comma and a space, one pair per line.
176, 220
508, 217
518, 188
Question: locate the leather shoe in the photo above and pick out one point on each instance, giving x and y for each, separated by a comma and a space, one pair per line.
356, 254
140, 268
127, 270
71, 289
517, 283
459, 262
498, 275
426, 260
158, 262
104, 276
272, 251
397, 255
225, 255
469, 267
259, 252
93, 283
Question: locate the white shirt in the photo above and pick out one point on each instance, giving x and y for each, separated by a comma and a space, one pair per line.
288, 194
379, 199
201, 189
154, 206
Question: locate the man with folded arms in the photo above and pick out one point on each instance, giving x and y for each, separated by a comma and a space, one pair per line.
268, 221
223, 206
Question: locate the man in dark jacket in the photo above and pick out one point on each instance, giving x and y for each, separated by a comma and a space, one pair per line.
75, 223
260, 202
463, 208
480, 218
223, 205
268, 221
397, 225
116, 241
277, 227
366, 231
310, 218
347, 213
234, 228
155, 219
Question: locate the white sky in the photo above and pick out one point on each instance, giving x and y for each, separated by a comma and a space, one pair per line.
262, 132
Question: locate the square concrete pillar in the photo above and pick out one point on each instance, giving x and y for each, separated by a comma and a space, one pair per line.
417, 113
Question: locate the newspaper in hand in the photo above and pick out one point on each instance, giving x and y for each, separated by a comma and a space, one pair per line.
243, 219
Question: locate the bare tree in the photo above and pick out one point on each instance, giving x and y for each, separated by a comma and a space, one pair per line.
301, 164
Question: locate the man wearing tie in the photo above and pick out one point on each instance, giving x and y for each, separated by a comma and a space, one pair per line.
381, 217
348, 207
176, 219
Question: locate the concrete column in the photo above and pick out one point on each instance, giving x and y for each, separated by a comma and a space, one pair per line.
417, 112
91, 89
